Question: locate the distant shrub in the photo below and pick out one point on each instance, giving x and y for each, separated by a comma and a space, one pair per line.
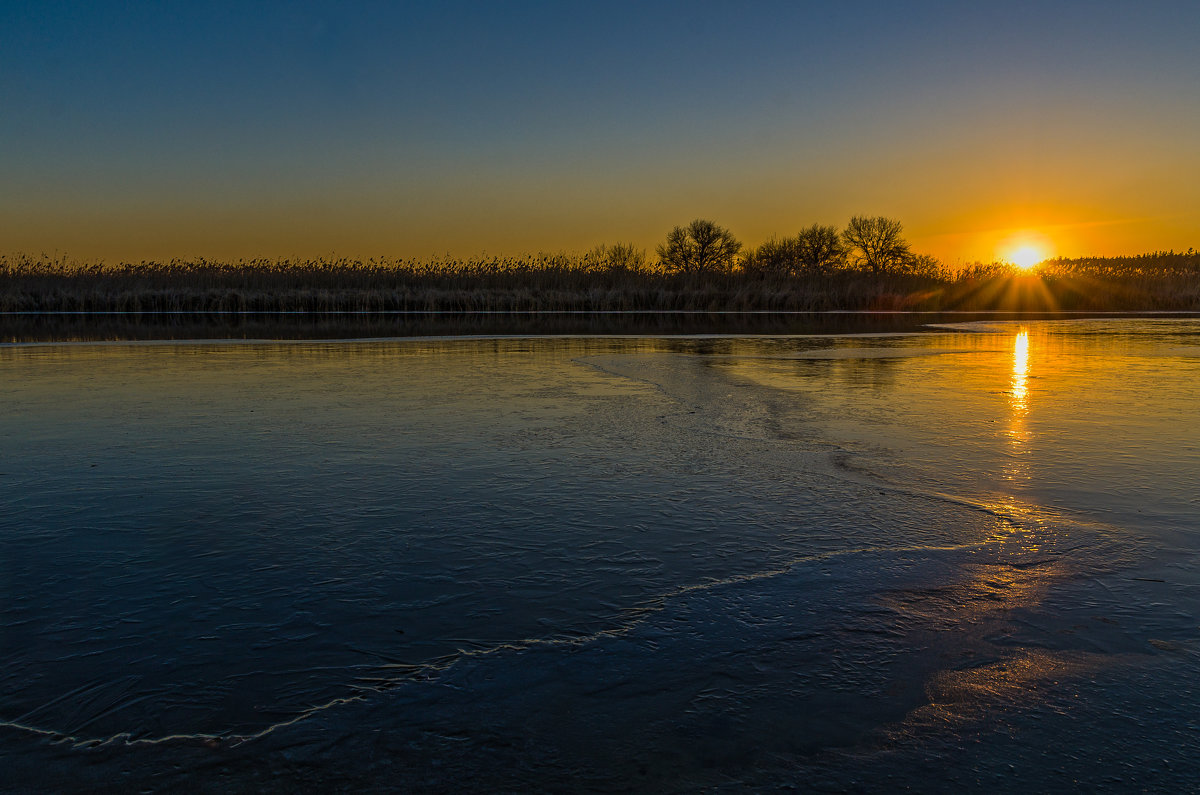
616, 257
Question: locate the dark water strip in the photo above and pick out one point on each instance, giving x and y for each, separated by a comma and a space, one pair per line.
115, 326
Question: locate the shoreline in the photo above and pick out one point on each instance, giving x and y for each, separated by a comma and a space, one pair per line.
17, 328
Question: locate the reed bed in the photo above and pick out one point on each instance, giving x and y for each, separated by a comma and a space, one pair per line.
594, 282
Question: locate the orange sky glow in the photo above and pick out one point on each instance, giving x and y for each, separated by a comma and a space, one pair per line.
404, 133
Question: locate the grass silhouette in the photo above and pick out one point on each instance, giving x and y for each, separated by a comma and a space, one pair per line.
607, 279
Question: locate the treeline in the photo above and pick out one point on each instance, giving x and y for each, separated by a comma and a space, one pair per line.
868, 244
699, 267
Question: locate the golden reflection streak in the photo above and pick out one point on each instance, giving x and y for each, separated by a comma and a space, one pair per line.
959, 697
1017, 467
1014, 573
1020, 374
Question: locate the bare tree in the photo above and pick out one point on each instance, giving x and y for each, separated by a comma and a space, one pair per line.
876, 243
819, 249
698, 247
776, 257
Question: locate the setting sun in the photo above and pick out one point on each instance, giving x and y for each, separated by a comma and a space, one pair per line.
1024, 248
1026, 257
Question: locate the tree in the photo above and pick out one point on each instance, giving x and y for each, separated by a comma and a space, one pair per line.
776, 257
698, 247
819, 249
876, 243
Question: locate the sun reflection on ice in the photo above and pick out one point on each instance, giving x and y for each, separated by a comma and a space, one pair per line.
1017, 468
1020, 375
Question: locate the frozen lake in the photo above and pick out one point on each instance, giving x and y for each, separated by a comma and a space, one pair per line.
963, 558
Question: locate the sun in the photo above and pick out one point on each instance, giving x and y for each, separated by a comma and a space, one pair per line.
1025, 248
1026, 257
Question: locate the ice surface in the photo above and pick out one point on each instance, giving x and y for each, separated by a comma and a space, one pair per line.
609, 563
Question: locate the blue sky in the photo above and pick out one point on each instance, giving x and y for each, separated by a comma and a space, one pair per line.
144, 130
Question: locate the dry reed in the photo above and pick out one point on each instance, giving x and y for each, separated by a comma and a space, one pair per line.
593, 282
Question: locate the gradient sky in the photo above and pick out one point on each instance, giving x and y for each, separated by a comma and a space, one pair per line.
149, 130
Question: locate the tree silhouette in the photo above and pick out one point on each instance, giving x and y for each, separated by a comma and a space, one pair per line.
819, 249
876, 243
776, 257
815, 250
698, 247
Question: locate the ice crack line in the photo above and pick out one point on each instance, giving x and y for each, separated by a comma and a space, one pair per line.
635, 616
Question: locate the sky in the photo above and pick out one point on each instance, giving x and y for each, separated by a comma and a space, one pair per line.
132, 131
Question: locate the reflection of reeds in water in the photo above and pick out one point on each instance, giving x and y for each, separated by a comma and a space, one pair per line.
588, 283
186, 326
